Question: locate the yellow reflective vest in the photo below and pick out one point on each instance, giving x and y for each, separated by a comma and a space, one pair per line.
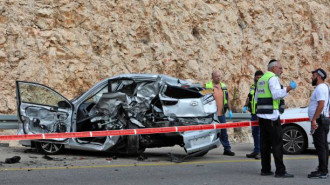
223, 86
266, 104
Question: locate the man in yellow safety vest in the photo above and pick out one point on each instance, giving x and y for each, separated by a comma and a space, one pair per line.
269, 94
250, 105
223, 103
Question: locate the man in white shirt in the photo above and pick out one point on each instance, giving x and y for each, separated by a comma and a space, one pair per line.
318, 113
269, 95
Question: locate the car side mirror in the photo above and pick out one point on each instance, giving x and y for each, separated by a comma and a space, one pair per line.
63, 104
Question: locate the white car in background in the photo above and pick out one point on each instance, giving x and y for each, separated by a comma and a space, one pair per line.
296, 136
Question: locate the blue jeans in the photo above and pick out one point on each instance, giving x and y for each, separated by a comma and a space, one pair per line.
255, 134
223, 134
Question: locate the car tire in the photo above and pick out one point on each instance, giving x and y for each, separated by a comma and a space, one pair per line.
133, 142
294, 140
49, 148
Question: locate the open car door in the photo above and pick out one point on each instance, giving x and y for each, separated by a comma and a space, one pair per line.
42, 110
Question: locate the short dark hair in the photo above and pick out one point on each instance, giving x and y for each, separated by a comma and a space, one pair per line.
321, 73
258, 73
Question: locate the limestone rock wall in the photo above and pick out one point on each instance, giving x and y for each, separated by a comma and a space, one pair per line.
70, 45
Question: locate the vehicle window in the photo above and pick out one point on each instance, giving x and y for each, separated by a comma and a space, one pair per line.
97, 96
36, 94
126, 86
114, 86
181, 93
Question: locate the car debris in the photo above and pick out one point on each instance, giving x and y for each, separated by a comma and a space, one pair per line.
180, 158
51, 158
12, 160
141, 157
4, 144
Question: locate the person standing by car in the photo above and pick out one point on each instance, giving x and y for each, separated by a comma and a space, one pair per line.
250, 105
318, 113
223, 103
269, 94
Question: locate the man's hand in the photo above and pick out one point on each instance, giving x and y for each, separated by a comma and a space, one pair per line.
244, 109
314, 125
230, 114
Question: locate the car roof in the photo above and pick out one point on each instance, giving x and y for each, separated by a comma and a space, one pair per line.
152, 77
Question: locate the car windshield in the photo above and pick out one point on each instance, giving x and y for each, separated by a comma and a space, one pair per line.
78, 96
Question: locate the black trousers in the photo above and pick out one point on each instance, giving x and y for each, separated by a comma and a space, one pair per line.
320, 138
271, 141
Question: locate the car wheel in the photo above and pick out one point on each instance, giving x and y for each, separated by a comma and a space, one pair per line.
294, 140
49, 148
133, 142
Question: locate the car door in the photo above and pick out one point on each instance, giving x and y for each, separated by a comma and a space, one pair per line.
42, 109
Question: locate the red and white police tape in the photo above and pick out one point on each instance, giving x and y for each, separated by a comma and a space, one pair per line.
140, 131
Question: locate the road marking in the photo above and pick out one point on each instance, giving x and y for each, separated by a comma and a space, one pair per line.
146, 164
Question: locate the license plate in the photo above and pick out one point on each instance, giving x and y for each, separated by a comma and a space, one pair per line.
200, 140
206, 91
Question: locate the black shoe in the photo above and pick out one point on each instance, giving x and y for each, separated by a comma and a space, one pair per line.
285, 175
314, 172
251, 155
228, 152
318, 175
258, 156
266, 173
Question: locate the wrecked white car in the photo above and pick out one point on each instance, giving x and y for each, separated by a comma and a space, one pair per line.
121, 102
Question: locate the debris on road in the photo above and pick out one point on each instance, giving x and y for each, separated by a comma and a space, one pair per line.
4, 144
51, 158
12, 160
176, 158
141, 157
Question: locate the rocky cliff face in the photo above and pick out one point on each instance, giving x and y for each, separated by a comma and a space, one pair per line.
70, 45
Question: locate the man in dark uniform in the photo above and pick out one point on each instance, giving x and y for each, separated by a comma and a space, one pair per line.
251, 105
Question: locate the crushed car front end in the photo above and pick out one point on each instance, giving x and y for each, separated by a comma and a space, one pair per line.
132, 101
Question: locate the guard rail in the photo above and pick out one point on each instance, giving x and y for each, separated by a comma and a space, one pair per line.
10, 121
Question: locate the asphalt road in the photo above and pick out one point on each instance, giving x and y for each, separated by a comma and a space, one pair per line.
154, 167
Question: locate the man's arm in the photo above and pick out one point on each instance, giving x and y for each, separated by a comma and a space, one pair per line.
228, 101
218, 96
275, 88
319, 109
246, 101
288, 89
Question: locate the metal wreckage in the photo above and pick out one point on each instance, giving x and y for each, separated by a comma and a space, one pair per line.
121, 102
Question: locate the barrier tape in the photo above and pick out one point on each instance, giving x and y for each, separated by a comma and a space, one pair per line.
140, 131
